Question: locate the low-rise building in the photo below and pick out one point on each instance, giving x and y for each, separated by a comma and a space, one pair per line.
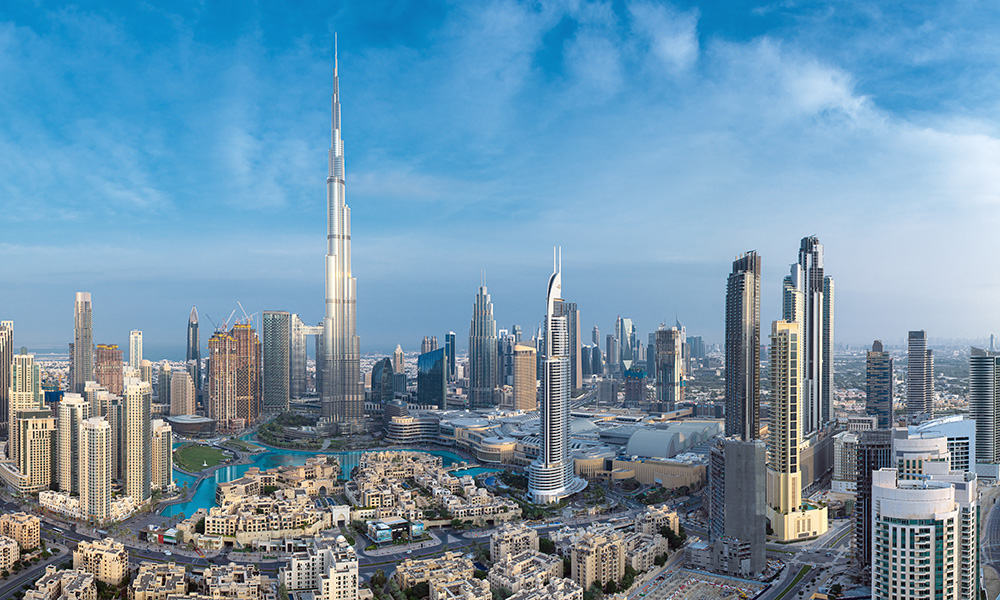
461, 589
450, 566
156, 581
106, 559
23, 528
654, 518
70, 506
525, 571
238, 581
598, 557
10, 553
512, 538
67, 584
557, 589
329, 568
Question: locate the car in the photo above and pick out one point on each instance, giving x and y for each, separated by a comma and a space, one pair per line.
409, 551
167, 553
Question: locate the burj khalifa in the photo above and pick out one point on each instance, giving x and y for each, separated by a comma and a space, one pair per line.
340, 385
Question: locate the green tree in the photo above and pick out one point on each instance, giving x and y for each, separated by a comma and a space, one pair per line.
610, 587
378, 580
547, 546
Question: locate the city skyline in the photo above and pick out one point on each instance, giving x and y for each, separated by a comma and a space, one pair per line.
836, 158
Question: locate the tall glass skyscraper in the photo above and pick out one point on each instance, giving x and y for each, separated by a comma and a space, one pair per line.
984, 399
276, 359
919, 377
194, 348
449, 346
82, 361
550, 476
383, 382
743, 348
483, 360
878, 385
342, 394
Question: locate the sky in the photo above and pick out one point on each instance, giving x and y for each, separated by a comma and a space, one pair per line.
164, 155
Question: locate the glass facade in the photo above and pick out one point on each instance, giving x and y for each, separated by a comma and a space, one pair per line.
432, 378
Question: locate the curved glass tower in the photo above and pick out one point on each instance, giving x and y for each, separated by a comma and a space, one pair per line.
342, 393
550, 476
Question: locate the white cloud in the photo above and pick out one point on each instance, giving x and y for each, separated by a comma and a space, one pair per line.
672, 35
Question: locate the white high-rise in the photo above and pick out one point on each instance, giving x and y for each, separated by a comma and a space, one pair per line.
82, 361
134, 348
25, 394
6, 358
73, 410
95, 464
161, 456
925, 535
137, 459
342, 390
550, 476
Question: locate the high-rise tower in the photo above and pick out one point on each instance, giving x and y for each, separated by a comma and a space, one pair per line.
450, 347
550, 476
984, 399
73, 410
276, 358
82, 361
193, 348
6, 360
483, 362
919, 377
814, 313
743, 348
878, 385
342, 394
134, 348
668, 365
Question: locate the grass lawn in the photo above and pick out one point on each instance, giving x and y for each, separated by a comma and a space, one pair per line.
192, 457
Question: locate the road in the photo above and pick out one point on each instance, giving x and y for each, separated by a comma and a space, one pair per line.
828, 556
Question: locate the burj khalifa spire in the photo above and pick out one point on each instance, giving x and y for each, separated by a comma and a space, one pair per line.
341, 388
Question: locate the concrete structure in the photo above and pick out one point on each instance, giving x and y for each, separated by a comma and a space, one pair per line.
24, 394
134, 348
791, 518
276, 352
460, 589
66, 584
960, 431
737, 506
525, 378
452, 349
669, 367
136, 440
398, 360
557, 589
73, 410
156, 581
808, 301
95, 469
512, 538
483, 375
164, 376
919, 377
931, 523
450, 566
572, 314
845, 470
108, 367
106, 559
234, 377
550, 476
161, 456
183, 397
525, 570
82, 354
743, 348
6, 361
36, 430
878, 385
341, 389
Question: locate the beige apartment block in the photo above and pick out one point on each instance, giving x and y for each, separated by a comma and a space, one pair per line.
655, 517
162, 456
598, 557
237, 581
450, 566
9, 553
68, 584
557, 589
512, 538
461, 589
106, 559
156, 581
525, 571
23, 528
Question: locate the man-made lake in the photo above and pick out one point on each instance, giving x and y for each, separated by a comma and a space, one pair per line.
204, 496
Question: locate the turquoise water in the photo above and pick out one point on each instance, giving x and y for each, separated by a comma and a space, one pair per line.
204, 496
474, 471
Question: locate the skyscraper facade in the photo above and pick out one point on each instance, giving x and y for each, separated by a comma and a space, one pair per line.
572, 314
163, 377
550, 476
429, 344
6, 360
874, 453
595, 336
919, 377
451, 348
73, 410
25, 395
878, 385
137, 455
342, 395
812, 308
743, 348
96, 461
737, 501
984, 403
383, 381
398, 360
432, 379
193, 356
525, 378
483, 360
625, 337
36, 430
610, 354
790, 518
161, 456
82, 361
234, 377
108, 367
276, 358
669, 362
183, 400
635, 388
134, 348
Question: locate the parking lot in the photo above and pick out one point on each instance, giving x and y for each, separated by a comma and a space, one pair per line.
682, 584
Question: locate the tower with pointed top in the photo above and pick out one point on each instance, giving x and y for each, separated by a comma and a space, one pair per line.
342, 393
483, 359
194, 348
550, 476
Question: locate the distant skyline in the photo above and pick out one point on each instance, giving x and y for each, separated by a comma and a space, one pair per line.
166, 157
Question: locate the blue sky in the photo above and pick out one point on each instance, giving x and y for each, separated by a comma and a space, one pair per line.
164, 156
